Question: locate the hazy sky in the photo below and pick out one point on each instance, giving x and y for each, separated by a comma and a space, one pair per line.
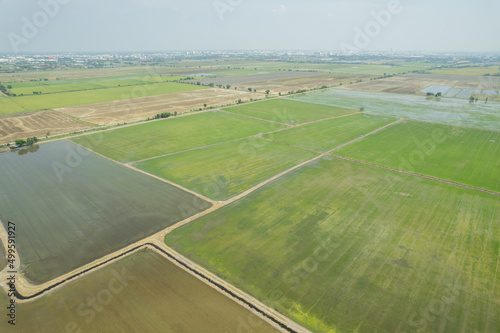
162, 25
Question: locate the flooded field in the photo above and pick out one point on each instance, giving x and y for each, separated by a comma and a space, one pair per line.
444, 111
71, 207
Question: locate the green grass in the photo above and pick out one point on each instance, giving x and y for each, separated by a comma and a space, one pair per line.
175, 134
287, 111
72, 207
8, 106
345, 247
449, 111
463, 155
468, 70
224, 170
143, 292
328, 134
51, 101
47, 87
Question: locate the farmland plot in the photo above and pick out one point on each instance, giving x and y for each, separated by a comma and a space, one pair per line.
463, 155
64, 99
37, 124
144, 107
443, 111
343, 247
143, 292
328, 134
227, 169
71, 207
175, 134
434, 89
50, 87
288, 111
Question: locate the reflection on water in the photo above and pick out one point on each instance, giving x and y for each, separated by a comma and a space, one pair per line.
24, 151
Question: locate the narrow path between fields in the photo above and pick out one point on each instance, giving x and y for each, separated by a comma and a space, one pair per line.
156, 242
419, 175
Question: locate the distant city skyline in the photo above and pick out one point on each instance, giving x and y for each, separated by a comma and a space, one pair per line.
78, 26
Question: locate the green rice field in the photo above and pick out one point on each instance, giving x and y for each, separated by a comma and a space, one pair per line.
51, 101
174, 135
344, 247
288, 111
328, 134
143, 292
464, 155
48, 87
227, 169
71, 207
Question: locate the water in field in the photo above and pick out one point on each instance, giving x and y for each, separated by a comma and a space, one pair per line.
443, 110
71, 206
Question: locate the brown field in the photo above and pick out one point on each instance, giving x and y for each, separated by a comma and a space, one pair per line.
411, 84
24, 125
305, 82
144, 107
143, 292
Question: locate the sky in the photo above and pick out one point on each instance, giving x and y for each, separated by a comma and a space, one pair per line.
164, 25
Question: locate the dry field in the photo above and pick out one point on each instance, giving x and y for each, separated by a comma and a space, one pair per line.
305, 82
412, 83
140, 108
37, 124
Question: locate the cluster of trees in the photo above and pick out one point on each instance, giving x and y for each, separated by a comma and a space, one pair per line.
300, 91
473, 99
5, 89
429, 94
165, 115
27, 142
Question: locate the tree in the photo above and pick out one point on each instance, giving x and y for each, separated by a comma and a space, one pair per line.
439, 94
255, 90
205, 105
250, 89
471, 99
211, 85
9, 87
430, 93
228, 86
268, 91
362, 109
47, 134
20, 142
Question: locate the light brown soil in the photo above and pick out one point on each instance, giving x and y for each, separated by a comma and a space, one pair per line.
141, 108
24, 125
411, 84
307, 82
